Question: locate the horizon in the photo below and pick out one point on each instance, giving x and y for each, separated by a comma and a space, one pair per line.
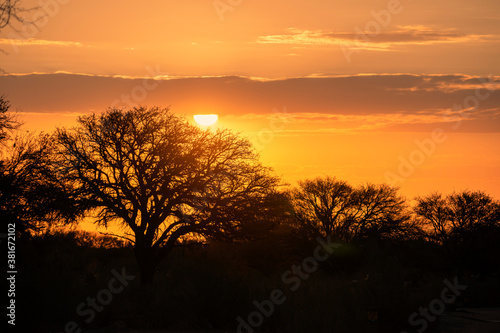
352, 90
366, 139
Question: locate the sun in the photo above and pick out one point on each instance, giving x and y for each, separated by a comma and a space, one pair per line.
206, 119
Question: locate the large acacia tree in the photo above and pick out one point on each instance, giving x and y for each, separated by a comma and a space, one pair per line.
164, 179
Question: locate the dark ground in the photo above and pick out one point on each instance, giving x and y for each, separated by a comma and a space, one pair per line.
470, 320
465, 320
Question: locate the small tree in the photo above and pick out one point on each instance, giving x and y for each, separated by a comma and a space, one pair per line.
465, 224
8, 121
457, 215
323, 204
380, 212
164, 179
30, 194
434, 214
335, 208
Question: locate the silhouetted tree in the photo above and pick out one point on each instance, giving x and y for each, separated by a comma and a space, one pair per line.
472, 209
8, 121
336, 208
380, 212
435, 215
164, 179
323, 203
30, 193
457, 214
465, 223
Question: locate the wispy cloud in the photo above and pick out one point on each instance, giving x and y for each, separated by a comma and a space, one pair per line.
452, 83
384, 41
40, 42
311, 122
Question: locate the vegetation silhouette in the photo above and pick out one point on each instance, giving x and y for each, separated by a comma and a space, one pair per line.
166, 180
8, 121
465, 224
334, 208
217, 231
31, 194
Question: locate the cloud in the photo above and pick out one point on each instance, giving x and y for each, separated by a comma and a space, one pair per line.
315, 123
384, 41
453, 83
324, 103
39, 42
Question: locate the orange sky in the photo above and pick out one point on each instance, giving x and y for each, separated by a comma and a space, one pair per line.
348, 89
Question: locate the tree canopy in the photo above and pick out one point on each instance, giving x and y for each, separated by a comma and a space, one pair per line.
336, 208
457, 214
164, 179
8, 121
31, 194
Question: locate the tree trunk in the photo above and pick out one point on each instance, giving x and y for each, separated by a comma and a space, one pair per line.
148, 257
147, 273
147, 262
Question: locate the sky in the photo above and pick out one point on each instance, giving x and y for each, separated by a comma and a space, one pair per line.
399, 92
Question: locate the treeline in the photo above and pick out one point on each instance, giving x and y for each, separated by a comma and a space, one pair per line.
207, 230
465, 224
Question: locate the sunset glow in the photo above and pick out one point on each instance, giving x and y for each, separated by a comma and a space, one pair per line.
347, 89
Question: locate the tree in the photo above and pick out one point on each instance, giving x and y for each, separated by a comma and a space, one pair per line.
473, 209
31, 196
8, 121
457, 215
323, 203
466, 224
434, 215
26, 179
164, 179
380, 212
336, 208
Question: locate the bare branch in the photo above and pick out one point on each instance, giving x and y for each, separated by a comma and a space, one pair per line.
117, 236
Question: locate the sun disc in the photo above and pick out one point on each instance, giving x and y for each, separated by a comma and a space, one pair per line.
206, 119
